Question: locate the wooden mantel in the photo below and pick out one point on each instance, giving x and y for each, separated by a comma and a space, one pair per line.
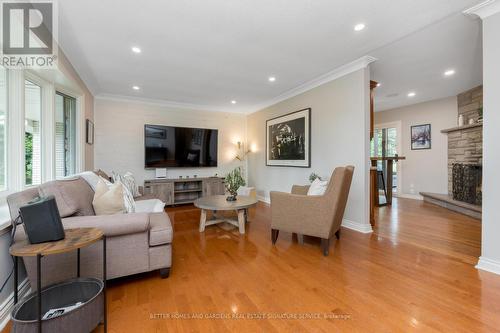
461, 128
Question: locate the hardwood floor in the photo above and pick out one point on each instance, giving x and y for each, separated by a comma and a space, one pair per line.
414, 273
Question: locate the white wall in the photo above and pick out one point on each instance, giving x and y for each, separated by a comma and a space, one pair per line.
339, 136
490, 254
424, 170
119, 136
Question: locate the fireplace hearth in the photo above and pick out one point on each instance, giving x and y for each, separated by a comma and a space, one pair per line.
467, 182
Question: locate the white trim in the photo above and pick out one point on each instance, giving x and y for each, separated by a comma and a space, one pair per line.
489, 265
164, 103
484, 9
8, 304
264, 199
409, 196
364, 228
15, 128
318, 81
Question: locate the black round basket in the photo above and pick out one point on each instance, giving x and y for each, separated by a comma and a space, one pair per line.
82, 319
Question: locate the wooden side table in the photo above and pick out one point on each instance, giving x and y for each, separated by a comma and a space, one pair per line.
75, 239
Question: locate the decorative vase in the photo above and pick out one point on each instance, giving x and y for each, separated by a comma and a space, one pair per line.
232, 197
461, 120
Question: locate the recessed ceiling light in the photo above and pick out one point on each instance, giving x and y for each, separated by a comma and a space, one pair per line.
136, 87
379, 84
272, 79
411, 94
449, 72
233, 102
136, 49
359, 27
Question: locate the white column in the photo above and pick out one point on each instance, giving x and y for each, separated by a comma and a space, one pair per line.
489, 12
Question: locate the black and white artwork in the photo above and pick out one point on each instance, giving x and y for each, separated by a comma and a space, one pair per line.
289, 140
421, 137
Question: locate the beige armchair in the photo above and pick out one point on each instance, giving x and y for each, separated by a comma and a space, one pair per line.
316, 215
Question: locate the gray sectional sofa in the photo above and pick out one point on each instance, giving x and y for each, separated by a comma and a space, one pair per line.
136, 242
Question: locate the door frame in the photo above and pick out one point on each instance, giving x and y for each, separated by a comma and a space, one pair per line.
396, 124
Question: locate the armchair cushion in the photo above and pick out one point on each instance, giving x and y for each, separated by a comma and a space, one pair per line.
294, 212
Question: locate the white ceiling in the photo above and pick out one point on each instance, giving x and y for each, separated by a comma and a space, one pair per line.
207, 53
417, 63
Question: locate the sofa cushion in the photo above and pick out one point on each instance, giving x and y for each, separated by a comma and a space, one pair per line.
73, 196
160, 229
149, 206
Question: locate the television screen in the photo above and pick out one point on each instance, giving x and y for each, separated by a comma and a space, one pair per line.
173, 147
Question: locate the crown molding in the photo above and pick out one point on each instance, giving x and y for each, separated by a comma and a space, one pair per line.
316, 82
164, 103
484, 9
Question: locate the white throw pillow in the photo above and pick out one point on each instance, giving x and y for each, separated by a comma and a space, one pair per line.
108, 200
318, 187
149, 206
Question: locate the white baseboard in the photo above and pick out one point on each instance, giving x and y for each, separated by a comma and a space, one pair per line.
409, 196
489, 265
364, 228
267, 200
8, 304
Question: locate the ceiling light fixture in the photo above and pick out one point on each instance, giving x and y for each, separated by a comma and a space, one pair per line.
379, 84
411, 94
233, 102
136, 87
136, 49
359, 27
271, 79
449, 72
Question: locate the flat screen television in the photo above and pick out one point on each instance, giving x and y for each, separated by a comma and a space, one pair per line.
177, 147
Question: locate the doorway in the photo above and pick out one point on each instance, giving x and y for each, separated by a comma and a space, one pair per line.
387, 142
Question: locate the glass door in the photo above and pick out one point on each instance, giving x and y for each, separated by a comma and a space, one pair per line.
386, 143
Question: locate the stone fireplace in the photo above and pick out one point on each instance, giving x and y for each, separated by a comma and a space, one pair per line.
465, 158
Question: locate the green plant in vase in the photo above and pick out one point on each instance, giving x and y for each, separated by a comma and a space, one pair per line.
233, 181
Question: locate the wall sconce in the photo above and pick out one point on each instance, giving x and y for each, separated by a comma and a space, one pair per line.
242, 153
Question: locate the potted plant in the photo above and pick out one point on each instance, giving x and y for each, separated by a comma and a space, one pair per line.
233, 182
313, 176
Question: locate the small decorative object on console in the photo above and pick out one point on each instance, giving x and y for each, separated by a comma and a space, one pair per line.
161, 172
233, 182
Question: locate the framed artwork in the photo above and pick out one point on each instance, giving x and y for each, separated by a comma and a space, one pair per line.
89, 125
288, 140
421, 137
155, 132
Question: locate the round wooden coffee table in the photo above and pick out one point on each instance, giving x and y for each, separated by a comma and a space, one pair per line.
217, 203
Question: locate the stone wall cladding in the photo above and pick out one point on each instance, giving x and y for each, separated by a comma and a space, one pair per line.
469, 103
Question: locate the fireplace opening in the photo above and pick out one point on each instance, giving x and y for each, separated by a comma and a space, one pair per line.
467, 183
